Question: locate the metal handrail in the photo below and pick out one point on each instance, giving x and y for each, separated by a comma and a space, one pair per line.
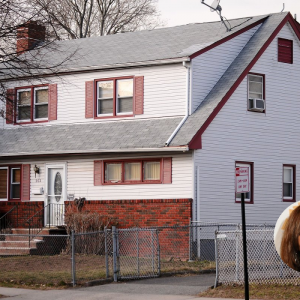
37, 228
36, 222
4, 220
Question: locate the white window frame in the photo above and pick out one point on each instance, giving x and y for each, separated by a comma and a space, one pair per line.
39, 104
14, 183
292, 182
262, 86
17, 117
7, 183
117, 98
99, 99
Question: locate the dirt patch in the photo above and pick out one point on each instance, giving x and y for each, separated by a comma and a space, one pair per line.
260, 292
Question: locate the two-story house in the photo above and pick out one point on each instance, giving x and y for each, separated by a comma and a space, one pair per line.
149, 126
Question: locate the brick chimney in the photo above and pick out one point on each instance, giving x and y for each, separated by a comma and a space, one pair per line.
29, 35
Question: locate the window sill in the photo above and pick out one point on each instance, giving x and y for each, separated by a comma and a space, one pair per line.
31, 122
288, 200
114, 117
133, 182
246, 202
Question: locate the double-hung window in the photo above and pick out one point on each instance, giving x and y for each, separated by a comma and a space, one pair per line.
139, 171
256, 92
289, 179
248, 196
10, 183
32, 104
114, 97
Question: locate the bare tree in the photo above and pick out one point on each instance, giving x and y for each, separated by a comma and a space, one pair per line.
15, 63
72, 19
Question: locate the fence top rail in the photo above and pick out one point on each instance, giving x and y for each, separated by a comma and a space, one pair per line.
240, 231
34, 235
89, 233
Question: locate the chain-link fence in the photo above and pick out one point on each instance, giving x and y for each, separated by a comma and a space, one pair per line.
264, 263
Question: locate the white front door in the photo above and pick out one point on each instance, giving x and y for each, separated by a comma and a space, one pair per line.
56, 194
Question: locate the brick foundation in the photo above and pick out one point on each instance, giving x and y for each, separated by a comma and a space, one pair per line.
122, 213
143, 213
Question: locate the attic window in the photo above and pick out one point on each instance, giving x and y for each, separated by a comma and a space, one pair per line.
285, 51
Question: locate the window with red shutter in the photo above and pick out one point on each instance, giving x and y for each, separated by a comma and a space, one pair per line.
133, 171
115, 97
285, 51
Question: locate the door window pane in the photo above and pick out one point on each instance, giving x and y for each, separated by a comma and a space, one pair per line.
152, 170
132, 171
113, 172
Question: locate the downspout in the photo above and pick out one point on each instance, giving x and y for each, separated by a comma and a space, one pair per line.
187, 65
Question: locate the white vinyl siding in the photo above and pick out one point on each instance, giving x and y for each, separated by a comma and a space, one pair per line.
80, 179
210, 66
268, 140
164, 93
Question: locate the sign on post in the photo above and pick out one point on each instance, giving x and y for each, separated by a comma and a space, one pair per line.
242, 183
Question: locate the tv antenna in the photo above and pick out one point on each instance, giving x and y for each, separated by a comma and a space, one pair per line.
215, 6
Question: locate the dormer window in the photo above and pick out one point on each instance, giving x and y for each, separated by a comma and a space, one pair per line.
256, 92
115, 97
285, 51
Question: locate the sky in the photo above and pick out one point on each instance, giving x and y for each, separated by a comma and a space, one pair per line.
179, 12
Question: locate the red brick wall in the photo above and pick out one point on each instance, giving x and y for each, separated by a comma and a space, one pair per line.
143, 213
22, 213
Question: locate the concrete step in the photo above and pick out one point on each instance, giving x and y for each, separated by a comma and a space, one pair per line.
16, 238
44, 231
20, 244
5, 251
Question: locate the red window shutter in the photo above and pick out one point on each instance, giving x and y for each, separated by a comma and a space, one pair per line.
10, 96
52, 113
139, 95
167, 170
89, 99
25, 182
285, 51
98, 170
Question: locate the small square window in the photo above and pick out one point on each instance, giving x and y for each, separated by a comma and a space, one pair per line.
256, 92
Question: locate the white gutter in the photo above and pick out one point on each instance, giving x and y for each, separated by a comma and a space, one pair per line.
129, 150
187, 65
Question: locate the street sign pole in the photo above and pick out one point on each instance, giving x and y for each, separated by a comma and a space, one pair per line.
246, 279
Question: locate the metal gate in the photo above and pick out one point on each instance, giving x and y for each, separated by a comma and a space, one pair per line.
135, 253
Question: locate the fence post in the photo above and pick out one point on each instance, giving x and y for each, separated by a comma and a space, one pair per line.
216, 259
106, 252
138, 252
73, 258
114, 235
191, 241
237, 255
158, 251
152, 250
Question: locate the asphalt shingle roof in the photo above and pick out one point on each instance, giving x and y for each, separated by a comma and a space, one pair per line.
197, 119
91, 137
132, 47
151, 133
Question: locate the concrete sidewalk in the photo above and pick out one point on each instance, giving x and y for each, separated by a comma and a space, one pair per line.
89, 294
165, 288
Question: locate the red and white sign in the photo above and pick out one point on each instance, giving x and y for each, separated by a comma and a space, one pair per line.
242, 183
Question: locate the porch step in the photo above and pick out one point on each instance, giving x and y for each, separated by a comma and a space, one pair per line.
17, 243
6, 251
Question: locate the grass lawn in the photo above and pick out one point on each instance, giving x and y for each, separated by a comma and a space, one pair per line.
261, 292
47, 272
